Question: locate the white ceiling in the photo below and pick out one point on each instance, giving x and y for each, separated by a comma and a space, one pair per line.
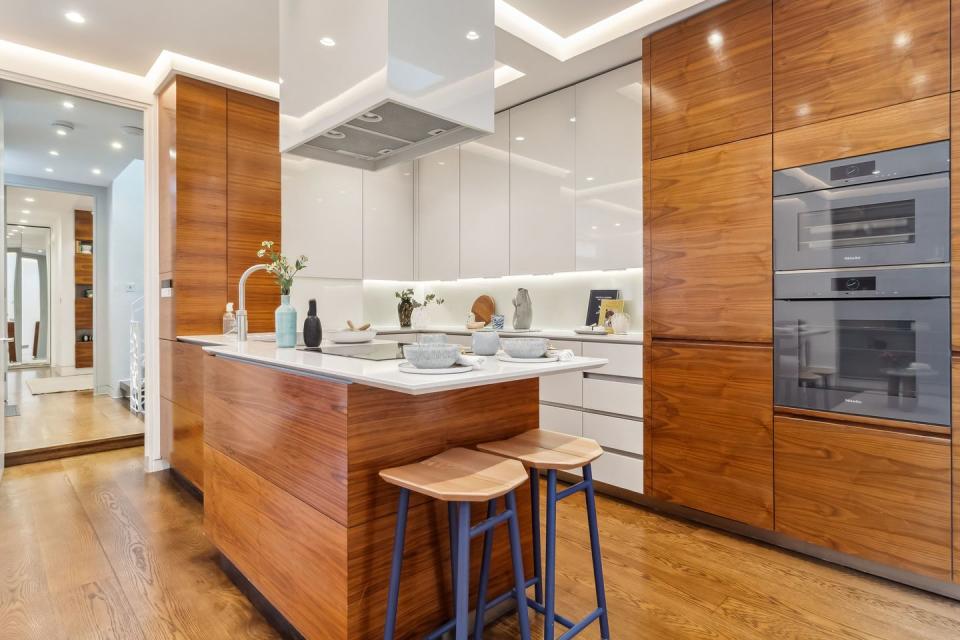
47, 208
566, 17
28, 116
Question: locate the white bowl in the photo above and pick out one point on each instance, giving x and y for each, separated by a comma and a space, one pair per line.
431, 356
524, 347
350, 337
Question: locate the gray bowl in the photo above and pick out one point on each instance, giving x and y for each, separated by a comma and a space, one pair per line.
524, 347
431, 356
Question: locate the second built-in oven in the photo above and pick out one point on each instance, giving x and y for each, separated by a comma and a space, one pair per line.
888, 208
871, 342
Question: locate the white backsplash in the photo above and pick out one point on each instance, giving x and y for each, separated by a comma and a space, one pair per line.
559, 300
337, 300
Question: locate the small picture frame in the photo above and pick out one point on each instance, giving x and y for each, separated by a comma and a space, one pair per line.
607, 309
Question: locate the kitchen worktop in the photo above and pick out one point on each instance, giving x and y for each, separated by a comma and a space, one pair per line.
381, 374
552, 334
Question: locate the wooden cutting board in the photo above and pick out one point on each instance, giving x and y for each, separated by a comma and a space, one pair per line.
483, 309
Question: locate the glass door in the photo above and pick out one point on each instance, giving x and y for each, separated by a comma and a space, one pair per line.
28, 295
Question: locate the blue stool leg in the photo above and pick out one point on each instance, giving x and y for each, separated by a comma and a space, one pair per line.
462, 588
484, 573
452, 527
394, 593
535, 517
595, 550
550, 578
519, 580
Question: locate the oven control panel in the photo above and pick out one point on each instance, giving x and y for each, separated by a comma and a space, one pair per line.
925, 281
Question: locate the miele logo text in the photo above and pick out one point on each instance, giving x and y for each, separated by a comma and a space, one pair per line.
851, 257
852, 401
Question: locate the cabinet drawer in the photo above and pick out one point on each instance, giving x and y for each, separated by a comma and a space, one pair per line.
563, 388
625, 398
615, 433
566, 421
620, 471
573, 345
624, 359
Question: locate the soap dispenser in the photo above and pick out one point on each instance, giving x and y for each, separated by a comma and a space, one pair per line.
312, 331
229, 320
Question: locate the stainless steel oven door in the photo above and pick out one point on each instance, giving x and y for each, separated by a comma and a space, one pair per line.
885, 358
905, 221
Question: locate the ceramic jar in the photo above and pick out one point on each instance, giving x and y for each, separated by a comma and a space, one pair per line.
285, 324
485, 343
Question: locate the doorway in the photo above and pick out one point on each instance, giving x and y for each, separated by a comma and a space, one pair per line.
28, 295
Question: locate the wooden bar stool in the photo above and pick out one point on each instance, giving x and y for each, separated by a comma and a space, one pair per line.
552, 452
459, 477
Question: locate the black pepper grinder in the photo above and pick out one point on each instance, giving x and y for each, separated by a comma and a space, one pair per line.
312, 331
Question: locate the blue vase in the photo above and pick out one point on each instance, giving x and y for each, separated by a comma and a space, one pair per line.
285, 321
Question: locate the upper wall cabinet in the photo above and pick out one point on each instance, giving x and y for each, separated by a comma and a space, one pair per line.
542, 213
322, 216
388, 223
836, 58
438, 176
609, 167
485, 203
711, 78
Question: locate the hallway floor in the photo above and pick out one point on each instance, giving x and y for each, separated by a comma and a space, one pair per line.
70, 417
94, 548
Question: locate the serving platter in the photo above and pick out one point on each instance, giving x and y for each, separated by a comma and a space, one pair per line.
503, 357
406, 367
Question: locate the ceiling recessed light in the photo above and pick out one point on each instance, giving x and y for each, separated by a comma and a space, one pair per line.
61, 132
75, 17
23, 222
62, 127
473, 35
616, 224
116, 145
29, 199
590, 178
25, 211
594, 227
573, 119
68, 105
49, 170
327, 41
519, 138
54, 152
715, 39
441, 163
95, 172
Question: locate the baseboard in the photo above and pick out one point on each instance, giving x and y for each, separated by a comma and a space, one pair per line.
72, 449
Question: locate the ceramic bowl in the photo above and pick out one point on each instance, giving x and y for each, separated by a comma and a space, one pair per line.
349, 337
485, 343
524, 347
431, 356
432, 338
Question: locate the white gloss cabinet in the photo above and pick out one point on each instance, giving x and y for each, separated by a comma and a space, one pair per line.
438, 222
388, 223
320, 207
542, 158
609, 157
485, 203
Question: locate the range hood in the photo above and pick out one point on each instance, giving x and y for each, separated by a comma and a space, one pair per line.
370, 83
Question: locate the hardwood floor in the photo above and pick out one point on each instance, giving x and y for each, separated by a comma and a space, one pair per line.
91, 547
55, 419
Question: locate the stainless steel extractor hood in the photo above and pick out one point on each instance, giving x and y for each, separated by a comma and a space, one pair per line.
369, 83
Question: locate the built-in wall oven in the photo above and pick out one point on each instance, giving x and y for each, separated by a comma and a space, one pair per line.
862, 286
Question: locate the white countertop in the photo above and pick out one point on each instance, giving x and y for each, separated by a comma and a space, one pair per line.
633, 337
385, 373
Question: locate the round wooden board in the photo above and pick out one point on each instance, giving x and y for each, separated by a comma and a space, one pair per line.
483, 309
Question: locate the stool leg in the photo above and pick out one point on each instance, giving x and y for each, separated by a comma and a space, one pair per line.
394, 593
452, 524
484, 573
519, 580
462, 588
595, 550
550, 577
535, 517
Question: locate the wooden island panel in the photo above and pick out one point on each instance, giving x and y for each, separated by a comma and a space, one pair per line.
293, 491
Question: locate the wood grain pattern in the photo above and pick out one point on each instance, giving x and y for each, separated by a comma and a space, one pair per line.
185, 430
83, 269
833, 59
712, 78
459, 475
647, 264
955, 45
83, 225
711, 242
541, 449
83, 354
167, 172
83, 313
275, 423
713, 429
253, 200
200, 267
955, 221
71, 450
902, 125
900, 425
181, 374
878, 494
955, 448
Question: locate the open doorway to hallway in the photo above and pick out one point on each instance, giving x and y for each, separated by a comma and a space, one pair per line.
74, 219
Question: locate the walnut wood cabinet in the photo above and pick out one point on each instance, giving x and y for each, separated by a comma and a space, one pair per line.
83, 282
877, 493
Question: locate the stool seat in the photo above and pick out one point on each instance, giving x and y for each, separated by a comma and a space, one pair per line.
459, 475
542, 449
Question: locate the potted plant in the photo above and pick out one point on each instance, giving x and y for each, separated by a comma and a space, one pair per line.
408, 303
285, 317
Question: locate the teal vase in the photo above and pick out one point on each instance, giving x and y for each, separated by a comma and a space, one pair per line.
285, 320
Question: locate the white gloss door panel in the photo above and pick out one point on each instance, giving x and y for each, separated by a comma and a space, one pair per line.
619, 471
438, 205
568, 421
321, 209
623, 398
485, 203
388, 223
542, 213
564, 388
623, 359
615, 433
609, 163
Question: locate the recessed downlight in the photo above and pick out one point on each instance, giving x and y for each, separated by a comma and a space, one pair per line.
25, 211
68, 105
333, 134
116, 145
29, 199
75, 17
62, 127
573, 119
54, 152
95, 171
590, 178
473, 35
370, 117
519, 138
327, 41
48, 169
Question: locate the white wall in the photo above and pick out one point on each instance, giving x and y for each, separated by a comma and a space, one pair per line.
124, 269
337, 300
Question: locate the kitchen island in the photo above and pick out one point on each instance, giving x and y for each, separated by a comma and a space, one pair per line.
293, 443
